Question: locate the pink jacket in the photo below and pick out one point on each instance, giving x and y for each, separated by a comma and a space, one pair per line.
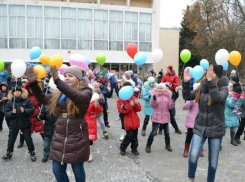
192, 106
161, 106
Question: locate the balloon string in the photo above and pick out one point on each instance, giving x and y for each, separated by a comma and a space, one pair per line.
239, 77
13, 93
182, 71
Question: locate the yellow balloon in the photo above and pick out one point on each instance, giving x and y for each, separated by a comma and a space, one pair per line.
56, 61
44, 59
235, 58
40, 71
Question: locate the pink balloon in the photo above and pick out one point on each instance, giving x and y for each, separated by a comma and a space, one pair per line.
62, 68
79, 60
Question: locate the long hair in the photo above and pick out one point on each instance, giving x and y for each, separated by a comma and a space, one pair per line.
198, 93
72, 108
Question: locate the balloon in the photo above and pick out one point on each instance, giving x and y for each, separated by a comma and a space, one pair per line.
204, 63
40, 71
62, 68
79, 60
235, 58
157, 55
56, 61
88, 61
140, 58
100, 58
226, 66
126, 92
44, 59
221, 56
51, 83
185, 55
1, 65
132, 49
197, 72
18, 68
35, 52
190, 70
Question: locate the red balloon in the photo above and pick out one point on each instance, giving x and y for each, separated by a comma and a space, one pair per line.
132, 49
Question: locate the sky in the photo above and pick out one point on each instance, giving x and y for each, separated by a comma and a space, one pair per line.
171, 12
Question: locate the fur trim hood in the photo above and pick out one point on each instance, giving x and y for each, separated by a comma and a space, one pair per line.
24, 94
147, 85
166, 92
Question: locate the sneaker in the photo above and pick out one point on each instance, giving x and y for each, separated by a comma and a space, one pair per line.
123, 153
20, 145
135, 152
168, 148
178, 132
33, 156
7, 156
160, 132
45, 159
143, 132
108, 111
105, 135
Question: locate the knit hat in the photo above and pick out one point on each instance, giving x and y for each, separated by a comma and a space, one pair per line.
19, 88
162, 85
129, 73
169, 85
75, 70
3, 84
101, 73
235, 79
218, 70
233, 72
229, 86
170, 67
151, 80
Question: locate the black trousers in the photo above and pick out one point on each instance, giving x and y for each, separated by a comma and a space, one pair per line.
146, 121
13, 133
22, 138
116, 90
105, 114
1, 120
153, 133
240, 128
189, 135
122, 120
131, 137
173, 121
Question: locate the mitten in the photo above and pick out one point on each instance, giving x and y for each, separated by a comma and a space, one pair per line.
236, 95
154, 98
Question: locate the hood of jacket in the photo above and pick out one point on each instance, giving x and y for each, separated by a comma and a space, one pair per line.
24, 94
147, 85
27, 87
166, 92
223, 82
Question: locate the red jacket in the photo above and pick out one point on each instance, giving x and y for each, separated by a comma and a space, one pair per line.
131, 118
171, 78
91, 119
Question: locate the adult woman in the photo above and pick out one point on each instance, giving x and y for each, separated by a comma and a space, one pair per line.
211, 97
70, 143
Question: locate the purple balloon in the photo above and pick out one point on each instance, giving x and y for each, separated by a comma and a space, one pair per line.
62, 68
79, 60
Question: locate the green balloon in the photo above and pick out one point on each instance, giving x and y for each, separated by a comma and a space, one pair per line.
185, 55
1, 65
100, 58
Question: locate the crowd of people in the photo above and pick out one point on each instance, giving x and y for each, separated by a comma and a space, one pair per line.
66, 117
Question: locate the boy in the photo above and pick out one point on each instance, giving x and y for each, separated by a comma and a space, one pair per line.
3, 102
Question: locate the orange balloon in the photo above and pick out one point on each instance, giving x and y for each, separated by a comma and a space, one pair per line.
56, 61
44, 59
40, 71
235, 58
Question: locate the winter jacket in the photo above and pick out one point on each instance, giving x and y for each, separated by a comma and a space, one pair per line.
36, 125
3, 76
3, 102
105, 92
70, 142
49, 122
131, 118
210, 120
161, 106
231, 117
19, 120
148, 110
171, 78
192, 106
112, 80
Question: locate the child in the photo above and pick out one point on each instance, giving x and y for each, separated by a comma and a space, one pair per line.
129, 109
19, 110
3, 102
149, 85
161, 103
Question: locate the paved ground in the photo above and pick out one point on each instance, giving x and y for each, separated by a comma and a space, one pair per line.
108, 165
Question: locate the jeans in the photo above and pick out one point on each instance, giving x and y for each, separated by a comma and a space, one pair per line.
46, 145
153, 133
61, 175
146, 121
213, 155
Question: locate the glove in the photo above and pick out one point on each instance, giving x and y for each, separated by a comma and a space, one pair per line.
154, 98
236, 95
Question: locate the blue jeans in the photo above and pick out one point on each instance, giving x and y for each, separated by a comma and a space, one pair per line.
46, 145
213, 155
61, 175
153, 133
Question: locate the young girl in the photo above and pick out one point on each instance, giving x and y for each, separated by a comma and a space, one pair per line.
161, 103
149, 85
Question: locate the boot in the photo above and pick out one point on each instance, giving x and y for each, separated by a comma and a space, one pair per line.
33, 156
135, 151
143, 132
148, 149
45, 159
21, 141
186, 150
20, 145
167, 142
190, 180
148, 145
91, 153
168, 147
178, 131
238, 141
7, 156
233, 141
123, 153
106, 135
122, 135
160, 132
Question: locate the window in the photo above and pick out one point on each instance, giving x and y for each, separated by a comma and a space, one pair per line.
16, 27
100, 30
51, 28
84, 29
131, 28
145, 27
116, 30
68, 28
34, 26
3, 25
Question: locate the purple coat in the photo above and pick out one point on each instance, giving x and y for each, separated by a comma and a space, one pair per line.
161, 106
192, 106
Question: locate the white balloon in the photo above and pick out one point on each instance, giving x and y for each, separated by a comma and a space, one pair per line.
52, 84
157, 55
221, 57
18, 68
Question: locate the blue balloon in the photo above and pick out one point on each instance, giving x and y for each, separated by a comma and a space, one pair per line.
35, 52
197, 72
140, 58
88, 61
204, 63
126, 92
226, 66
